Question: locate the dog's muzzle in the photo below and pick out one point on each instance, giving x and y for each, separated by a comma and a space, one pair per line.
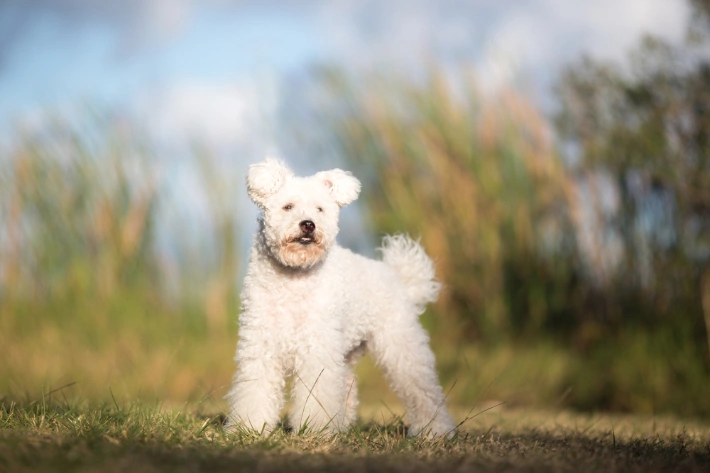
307, 227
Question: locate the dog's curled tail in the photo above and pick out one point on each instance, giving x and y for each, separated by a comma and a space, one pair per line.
411, 263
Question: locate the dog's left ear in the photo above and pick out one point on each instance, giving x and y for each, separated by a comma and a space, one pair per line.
343, 186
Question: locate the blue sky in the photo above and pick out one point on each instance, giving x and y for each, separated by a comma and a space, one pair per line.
57, 62
208, 69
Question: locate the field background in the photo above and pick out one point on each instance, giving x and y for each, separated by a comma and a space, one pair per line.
572, 280
61, 436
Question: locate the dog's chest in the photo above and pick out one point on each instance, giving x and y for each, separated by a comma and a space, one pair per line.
299, 303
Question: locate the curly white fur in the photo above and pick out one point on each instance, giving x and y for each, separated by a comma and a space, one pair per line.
311, 308
414, 267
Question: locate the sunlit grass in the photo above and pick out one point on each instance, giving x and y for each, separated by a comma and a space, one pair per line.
174, 365
42, 435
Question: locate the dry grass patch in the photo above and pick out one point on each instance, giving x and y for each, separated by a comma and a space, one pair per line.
42, 436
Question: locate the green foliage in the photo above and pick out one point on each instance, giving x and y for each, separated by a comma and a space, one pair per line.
647, 126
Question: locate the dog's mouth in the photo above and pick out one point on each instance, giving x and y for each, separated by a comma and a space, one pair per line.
302, 250
304, 240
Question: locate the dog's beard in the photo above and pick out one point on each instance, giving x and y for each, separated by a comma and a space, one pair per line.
301, 250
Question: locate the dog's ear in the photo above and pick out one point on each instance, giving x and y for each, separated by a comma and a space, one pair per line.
343, 186
265, 179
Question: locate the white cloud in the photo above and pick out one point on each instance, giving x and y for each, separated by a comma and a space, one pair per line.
507, 40
609, 28
223, 115
536, 38
167, 17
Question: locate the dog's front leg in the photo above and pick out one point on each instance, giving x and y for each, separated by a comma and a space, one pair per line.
256, 397
319, 389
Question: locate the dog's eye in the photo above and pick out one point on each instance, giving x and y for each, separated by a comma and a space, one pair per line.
320, 209
287, 207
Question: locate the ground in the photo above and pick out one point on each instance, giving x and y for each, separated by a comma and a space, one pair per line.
74, 436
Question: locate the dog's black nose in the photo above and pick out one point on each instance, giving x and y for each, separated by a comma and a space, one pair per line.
307, 226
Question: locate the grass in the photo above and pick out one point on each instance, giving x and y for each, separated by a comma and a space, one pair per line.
156, 357
105, 282
47, 435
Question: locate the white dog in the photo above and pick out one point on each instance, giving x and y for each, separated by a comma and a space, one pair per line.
311, 308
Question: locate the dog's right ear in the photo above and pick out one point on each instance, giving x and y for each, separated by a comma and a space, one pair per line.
265, 179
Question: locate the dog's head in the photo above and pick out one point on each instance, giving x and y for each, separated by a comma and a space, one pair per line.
300, 214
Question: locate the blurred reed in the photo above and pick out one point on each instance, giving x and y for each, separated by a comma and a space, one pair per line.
517, 238
95, 286
480, 182
113, 278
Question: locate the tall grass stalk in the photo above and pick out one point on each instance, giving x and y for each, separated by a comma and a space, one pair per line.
90, 289
518, 243
480, 182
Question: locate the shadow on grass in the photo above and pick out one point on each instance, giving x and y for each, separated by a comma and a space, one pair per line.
39, 436
364, 451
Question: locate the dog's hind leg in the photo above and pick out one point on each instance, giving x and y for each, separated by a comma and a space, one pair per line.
351, 398
400, 346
